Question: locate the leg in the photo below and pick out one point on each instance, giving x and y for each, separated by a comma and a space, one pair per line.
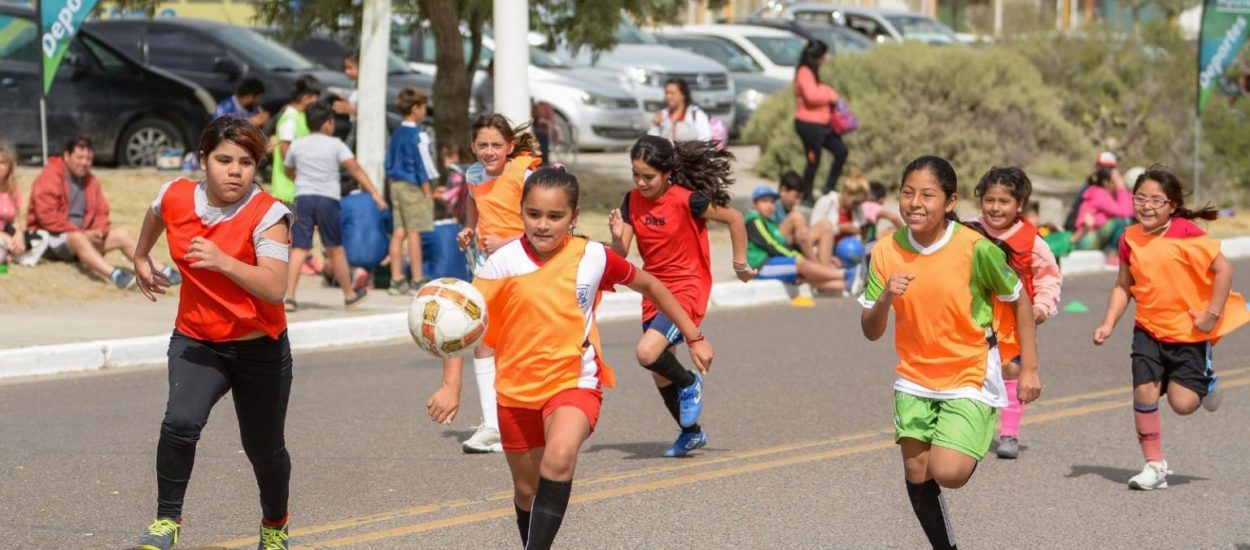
567, 427
925, 494
678, 386
823, 238
823, 277
87, 254
396, 255
524, 467
262, 389
812, 135
342, 273
833, 142
197, 380
487, 437
415, 255
293, 267
1009, 434
1184, 401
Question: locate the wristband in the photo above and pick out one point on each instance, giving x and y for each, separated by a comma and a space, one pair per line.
695, 340
1214, 314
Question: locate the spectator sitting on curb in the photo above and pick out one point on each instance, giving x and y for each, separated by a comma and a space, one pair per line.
67, 201
245, 103
788, 217
12, 240
768, 253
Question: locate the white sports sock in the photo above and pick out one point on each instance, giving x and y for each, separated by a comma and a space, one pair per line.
484, 371
805, 289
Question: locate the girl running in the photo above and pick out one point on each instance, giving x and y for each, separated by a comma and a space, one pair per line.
506, 156
941, 279
677, 189
1004, 194
1182, 285
541, 292
229, 239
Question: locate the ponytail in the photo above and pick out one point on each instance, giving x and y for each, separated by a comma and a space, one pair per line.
695, 165
1175, 191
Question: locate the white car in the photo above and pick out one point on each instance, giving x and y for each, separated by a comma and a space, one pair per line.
775, 50
878, 24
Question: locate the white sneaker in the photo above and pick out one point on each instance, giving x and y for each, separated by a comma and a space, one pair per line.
1153, 476
484, 440
861, 276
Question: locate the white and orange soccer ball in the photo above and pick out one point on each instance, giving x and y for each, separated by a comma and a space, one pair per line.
447, 317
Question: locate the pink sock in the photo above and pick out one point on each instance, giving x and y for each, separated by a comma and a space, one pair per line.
1013, 412
1149, 432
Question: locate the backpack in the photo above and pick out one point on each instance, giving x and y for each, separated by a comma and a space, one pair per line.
843, 120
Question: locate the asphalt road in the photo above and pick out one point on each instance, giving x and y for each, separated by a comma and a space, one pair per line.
800, 455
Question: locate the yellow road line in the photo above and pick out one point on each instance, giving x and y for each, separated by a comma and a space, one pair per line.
679, 480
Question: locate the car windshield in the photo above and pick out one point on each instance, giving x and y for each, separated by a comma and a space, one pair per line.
922, 29
781, 50
548, 60
265, 52
629, 33
727, 54
839, 41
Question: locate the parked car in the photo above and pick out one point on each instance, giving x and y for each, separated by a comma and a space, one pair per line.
775, 51
132, 113
593, 110
750, 81
215, 55
837, 38
879, 25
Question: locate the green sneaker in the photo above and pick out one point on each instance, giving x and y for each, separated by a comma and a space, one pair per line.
273, 538
161, 535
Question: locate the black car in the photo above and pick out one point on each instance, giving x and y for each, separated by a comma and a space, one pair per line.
215, 55
132, 113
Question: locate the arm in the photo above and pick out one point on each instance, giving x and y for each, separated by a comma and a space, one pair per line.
289, 169
363, 179
266, 280
44, 206
470, 221
1047, 281
813, 93
1121, 293
874, 320
653, 290
737, 238
757, 233
622, 233
1206, 320
1029, 385
151, 282
100, 221
445, 403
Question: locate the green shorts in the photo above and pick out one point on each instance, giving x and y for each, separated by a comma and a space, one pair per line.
410, 207
963, 425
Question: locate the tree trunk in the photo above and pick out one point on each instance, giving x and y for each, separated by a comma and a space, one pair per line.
452, 84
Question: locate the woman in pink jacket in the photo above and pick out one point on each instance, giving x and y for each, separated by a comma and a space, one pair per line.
813, 109
1106, 210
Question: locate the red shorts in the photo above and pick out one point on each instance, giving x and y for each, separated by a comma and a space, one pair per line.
522, 430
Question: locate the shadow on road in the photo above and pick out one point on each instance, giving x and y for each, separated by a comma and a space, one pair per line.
1121, 475
633, 451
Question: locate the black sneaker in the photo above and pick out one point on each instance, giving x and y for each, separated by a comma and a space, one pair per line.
354, 301
122, 279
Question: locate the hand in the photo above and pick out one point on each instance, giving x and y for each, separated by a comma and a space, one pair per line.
491, 243
701, 353
444, 404
745, 275
150, 281
204, 254
1204, 321
1039, 316
897, 284
658, 118
17, 244
464, 237
1102, 333
343, 107
616, 224
96, 236
1028, 385
378, 200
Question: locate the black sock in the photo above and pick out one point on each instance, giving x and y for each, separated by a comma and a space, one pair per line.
930, 508
669, 393
669, 367
523, 524
550, 502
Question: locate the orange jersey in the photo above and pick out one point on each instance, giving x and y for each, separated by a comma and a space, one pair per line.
542, 320
1171, 276
212, 307
943, 321
498, 200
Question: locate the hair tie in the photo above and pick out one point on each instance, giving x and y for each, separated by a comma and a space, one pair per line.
558, 166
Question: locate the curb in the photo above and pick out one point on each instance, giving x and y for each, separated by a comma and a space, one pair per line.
1083, 262
326, 333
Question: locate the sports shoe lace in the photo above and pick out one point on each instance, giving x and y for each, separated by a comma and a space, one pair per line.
163, 527
273, 538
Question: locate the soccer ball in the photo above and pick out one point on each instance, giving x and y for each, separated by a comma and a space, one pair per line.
447, 317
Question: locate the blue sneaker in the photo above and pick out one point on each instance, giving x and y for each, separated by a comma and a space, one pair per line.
686, 442
1214, 396
690, 399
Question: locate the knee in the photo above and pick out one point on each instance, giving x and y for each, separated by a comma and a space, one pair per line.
647, 355
523, 493
950, 477
1184, 407
559, 462
915, 470
181, 428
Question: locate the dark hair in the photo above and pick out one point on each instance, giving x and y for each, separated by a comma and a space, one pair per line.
1101, 177
877, 190
234, 130
251, 86
554, 176
941, 170
80, 141
696, 165
317, 114
810, 58
1011, 177
450, 148
408, 98
351, 55
792, 180
304, 86
1175, 191
683, 87
520, 137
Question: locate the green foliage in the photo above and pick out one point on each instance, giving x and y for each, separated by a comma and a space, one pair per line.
1225, 140
976, 108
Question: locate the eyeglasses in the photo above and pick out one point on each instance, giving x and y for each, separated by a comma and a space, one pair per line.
1153, 202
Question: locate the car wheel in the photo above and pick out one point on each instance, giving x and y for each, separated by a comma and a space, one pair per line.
566, 146
143, 141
